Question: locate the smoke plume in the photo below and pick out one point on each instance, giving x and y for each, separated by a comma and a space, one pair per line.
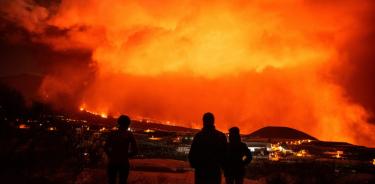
306, 64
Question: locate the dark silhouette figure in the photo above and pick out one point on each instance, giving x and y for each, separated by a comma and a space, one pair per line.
237, 157
117, 148
207, 152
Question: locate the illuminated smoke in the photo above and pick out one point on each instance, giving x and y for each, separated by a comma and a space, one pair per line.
253, 63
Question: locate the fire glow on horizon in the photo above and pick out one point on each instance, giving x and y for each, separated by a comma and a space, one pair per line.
101, 114
252, 63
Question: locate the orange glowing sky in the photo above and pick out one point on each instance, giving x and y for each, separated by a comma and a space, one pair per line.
253, 63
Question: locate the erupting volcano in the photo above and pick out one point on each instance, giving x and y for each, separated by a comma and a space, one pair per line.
304, 64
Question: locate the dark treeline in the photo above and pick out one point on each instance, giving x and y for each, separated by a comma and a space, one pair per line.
13, 105
32, 155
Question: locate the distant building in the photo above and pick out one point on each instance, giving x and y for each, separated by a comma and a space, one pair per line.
253, 146
183, 149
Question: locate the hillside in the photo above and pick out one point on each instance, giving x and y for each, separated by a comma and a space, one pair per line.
273, 132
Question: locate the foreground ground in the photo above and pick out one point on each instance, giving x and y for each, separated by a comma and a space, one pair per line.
148, 171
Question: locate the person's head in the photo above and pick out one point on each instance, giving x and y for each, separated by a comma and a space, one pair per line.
234, 135
208, 120
123, 122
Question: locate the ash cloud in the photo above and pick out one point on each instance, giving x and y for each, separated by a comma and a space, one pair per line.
356, 73
22, 24
304, 64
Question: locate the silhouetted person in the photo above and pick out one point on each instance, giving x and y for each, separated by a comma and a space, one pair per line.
237, 157
207, 152
117, 148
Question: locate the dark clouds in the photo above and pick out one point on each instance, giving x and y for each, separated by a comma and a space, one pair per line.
22, 53
356, 73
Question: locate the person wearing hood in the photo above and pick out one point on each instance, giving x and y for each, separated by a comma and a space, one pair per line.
237, 157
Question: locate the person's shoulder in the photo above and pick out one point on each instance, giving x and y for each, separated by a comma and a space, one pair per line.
244, 145
219, 133
130, 133
198, 134
125, 133
220, 136
110, 135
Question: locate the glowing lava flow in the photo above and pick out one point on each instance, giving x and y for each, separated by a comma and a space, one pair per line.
102, 114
